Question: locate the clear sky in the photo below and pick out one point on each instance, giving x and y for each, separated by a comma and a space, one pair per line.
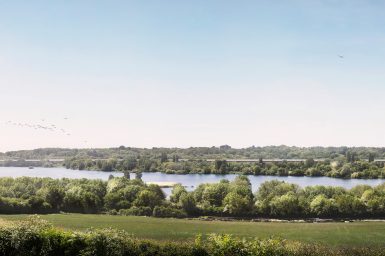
192, 73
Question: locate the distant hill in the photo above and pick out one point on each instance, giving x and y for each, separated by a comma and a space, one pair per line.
222, 152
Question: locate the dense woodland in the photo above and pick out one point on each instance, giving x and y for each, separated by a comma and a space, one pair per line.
232, 199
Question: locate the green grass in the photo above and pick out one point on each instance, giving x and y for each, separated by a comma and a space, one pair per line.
336, 234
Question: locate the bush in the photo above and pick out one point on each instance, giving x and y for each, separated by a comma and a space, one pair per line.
164, 212
136, 211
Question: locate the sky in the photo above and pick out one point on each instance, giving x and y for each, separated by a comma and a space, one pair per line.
192, 73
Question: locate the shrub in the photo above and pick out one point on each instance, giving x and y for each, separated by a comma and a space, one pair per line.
136, 211
161, 211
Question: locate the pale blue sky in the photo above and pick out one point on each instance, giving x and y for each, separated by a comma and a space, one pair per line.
192, 73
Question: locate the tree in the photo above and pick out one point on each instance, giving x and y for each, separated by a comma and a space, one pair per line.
346, 170
138, 175
81, 165
323, 207
242, 186
126, 174
122, 198
54, 196
348, 157
188, 204
157, 190
79, 199
285, 206
224, 147
270, 189
349, 205
351, 157
129, 163
176, 193
237, 204
221, 166
145, 164
163, 157
147, 198
38, 204
107, 166
214, 194
309, 162
175, 158
313, 172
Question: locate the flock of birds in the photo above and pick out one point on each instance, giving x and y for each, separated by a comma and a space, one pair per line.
41, 126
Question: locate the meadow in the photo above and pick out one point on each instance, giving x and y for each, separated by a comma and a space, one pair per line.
167, 229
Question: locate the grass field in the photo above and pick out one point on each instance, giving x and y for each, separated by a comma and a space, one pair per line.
336, 234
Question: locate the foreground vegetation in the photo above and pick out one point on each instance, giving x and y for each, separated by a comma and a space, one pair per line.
122, 196
36, 237
336, 234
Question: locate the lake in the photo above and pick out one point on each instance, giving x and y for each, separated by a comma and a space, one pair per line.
190, 181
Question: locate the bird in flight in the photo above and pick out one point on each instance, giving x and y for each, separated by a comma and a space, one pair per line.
341, 56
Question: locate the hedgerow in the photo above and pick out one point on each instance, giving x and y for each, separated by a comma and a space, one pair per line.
35, 237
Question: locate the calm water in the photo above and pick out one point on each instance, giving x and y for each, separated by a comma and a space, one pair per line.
191, 181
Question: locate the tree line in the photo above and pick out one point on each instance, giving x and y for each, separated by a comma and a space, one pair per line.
233, 199
221, 152
337, 169
338, 162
